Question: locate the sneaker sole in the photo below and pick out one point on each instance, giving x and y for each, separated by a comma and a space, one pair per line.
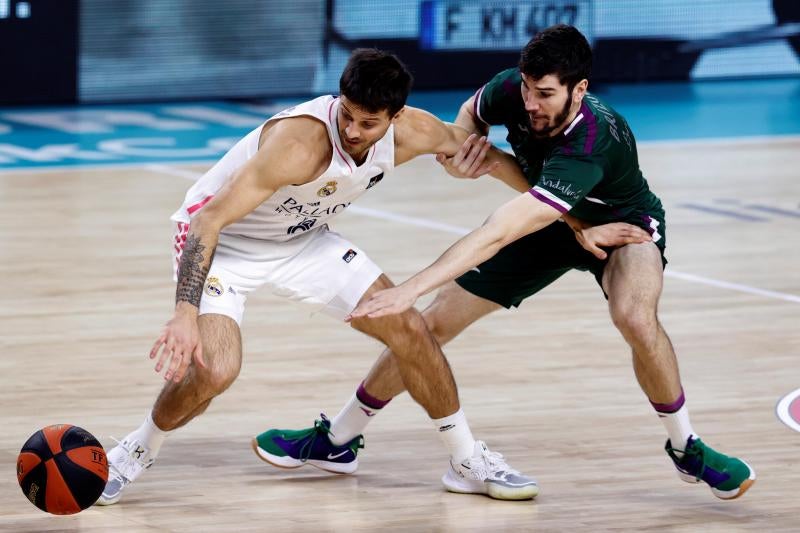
462, 486
725, 494
110, 501
733, 494
290, 463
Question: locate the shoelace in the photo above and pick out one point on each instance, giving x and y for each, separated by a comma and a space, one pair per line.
127, 469
694, 451
321, 429
318, 429
491, 462
496, 460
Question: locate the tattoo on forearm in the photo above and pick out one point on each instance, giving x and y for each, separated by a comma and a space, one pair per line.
191, 273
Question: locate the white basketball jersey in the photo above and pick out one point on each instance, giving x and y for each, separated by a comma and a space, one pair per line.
295, 209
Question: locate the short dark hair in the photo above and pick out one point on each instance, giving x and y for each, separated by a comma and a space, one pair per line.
376, 80
561, 50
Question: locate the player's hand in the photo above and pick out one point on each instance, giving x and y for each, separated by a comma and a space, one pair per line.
470, 160
178, 344
386, 302
610, 235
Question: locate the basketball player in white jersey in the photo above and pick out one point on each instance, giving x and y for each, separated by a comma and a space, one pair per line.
258, 217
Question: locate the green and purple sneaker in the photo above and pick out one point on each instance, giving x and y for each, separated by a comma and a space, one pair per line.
288, 448
728, 477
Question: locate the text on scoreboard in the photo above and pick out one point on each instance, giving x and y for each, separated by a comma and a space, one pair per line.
494, 24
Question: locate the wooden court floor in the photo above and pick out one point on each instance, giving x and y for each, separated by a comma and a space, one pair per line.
86, 287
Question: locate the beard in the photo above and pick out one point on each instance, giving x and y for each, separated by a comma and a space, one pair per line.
558, 122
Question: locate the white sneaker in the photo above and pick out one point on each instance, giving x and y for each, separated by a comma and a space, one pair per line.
126, 462
486, 472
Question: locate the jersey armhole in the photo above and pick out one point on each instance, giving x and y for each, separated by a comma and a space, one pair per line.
476, 106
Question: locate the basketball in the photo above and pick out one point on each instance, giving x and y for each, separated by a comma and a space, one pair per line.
62, 469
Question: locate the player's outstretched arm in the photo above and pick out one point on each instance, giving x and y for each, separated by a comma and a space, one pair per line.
517, 218
476, 156
467, 155
285, 157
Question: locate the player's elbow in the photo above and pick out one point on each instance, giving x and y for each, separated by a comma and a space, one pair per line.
205, 222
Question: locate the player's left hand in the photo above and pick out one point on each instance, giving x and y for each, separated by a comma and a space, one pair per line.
470, 160
610, 235
386, 302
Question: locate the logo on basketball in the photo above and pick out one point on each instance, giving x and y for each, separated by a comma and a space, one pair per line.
328, 189
34, 490
788, 410
214, 287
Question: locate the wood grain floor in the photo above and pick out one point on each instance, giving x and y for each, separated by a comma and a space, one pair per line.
85, 286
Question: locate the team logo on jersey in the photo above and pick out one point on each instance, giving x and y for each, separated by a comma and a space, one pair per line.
349, 255
305, 225
374, 180
328, 189
214, 287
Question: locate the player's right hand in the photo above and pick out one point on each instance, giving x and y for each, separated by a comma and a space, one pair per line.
611, 235
178, 344
470, 160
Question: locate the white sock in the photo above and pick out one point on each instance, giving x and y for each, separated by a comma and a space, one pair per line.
456, 436
354, 416
351, 421
149, 435
678, 427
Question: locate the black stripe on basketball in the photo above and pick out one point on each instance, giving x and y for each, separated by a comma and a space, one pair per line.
76, 437
85, 486
38, 444
34, 485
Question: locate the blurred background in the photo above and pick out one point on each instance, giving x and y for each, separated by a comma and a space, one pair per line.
57, 51
128, 81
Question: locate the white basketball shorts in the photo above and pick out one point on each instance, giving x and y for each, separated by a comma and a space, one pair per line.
320, 268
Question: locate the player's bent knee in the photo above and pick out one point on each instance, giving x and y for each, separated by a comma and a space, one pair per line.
404, 328
437, 327
408, 328
215, 380
636, 326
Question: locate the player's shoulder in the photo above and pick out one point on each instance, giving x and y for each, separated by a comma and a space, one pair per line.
300, 131
599, 107
415, 120
300, 142
508, 75
590, 131
505, 84
501, 98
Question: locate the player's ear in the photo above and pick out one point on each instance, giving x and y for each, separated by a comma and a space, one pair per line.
580, 90
397, 115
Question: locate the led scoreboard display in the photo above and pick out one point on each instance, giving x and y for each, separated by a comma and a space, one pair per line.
496, 24
39, 44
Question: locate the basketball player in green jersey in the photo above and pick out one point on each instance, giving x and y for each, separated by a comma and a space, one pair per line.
580, 158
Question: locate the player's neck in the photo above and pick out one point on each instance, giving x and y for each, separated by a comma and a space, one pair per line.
360, 157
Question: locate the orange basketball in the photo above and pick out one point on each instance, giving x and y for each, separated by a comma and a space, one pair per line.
62, 469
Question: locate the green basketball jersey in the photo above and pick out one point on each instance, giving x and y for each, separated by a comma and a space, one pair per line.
590, 170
